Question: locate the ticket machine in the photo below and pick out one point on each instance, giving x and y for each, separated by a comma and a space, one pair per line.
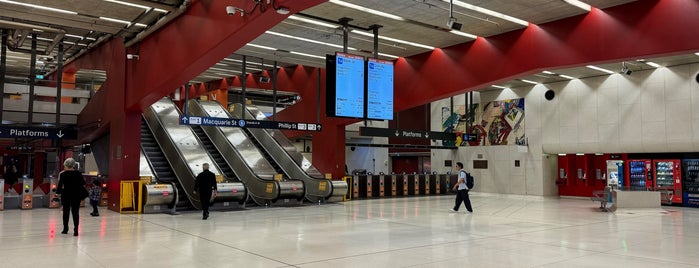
27, 193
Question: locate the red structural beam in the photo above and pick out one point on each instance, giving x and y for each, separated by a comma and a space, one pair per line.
635, 30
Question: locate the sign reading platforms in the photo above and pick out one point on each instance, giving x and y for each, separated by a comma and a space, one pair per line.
247, 123
401, 133
38, 133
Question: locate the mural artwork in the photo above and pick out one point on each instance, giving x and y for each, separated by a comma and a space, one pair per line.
496, 123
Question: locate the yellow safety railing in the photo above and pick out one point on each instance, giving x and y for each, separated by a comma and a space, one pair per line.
131, 197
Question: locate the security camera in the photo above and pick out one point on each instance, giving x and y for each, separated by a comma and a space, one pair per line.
452, 24
230, 10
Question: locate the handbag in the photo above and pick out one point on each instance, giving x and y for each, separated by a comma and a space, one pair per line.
83, 193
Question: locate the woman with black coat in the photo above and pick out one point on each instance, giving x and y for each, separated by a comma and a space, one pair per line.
71, 186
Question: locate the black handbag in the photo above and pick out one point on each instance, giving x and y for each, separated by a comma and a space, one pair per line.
83, 193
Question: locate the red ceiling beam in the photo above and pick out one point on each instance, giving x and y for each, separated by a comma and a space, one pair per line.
636, 30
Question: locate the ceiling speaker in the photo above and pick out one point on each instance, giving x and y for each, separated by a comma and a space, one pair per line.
549, 95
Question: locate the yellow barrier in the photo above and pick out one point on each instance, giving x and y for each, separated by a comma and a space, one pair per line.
131, 193
348, 196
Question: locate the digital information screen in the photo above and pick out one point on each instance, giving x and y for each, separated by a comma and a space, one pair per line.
379, 89
349, 85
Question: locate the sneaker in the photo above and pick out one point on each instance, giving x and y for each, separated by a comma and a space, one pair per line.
468, 212
453, 211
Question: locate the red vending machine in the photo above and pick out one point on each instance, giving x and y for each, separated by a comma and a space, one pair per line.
639, 175
668, 176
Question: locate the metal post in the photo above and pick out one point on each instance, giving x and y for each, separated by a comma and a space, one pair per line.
345, 33
3, 69
32, 77
274, 92
318, 99
59, 83
243, 77
186, 99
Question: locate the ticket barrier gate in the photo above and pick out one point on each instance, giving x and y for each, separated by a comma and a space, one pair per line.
424, 184
391, 188
433, 183
27, 193
377, 186
360, 184
52, 200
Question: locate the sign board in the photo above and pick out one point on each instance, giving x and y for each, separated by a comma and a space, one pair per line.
38, 133
247, 123
402, 133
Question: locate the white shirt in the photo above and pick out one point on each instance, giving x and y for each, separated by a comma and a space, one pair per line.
462, 177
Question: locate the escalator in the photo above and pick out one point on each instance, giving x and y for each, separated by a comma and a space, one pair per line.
185, 154
293, 163
211, 149
266, 155
247, 161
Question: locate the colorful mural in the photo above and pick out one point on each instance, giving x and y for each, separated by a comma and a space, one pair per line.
496, 123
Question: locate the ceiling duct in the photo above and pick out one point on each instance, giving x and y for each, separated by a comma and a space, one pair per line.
24, 29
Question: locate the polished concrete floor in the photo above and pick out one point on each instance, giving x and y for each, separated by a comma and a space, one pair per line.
504, 231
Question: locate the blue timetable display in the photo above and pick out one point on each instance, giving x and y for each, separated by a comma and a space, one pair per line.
379, 89
349, 85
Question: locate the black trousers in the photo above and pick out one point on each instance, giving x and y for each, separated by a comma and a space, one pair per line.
462, 196
204, 199
94, 204
71, 206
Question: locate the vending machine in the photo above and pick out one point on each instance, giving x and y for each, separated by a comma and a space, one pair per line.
690, 182
668, 175
640, 175
615, 173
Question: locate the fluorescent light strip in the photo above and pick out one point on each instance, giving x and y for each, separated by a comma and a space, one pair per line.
599, 69
249, 62
307, 40
496, 86
307, 55
367, 10
463, 34
652, 64
128, 23
567, 77
388, 55
75, 36
40, 7
259, 46
314, 22
696, 53
136, 5
223, 70
547, 72
393, 39
579, 4
529, 81
490, 12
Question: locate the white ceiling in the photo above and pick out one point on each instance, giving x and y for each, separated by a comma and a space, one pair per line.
424, 22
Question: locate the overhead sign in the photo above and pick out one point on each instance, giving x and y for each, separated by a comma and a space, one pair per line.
38, 133
402, 133
247, 123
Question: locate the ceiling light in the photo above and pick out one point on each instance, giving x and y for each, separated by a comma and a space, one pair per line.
393, 39
283, 11
652, 64
496, 86
463, 34
696, 53
307, 40
579, 4
567, 77
529, 81
388, 55
548, 72
367, 10
599, 69
315, 22
128, 23
40, 7
75, 36
489, 12
259, 46
136, 5
307, 55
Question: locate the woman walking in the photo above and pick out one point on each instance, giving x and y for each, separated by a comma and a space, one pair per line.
71, 188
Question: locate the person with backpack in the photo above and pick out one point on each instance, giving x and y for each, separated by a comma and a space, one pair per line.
462, 186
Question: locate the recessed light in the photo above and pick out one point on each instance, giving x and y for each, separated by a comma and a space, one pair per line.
599, 69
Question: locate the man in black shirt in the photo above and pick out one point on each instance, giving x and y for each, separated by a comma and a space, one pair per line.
205, 185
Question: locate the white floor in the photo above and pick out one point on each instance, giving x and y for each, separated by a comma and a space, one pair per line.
504, 231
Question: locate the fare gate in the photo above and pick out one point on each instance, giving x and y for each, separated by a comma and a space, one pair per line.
54, 201
27, 194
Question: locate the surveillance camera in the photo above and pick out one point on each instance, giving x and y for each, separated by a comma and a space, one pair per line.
230, 10
452, 24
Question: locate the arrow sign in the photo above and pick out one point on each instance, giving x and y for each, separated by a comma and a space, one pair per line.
397, 133
37, 132
184, 120
401, 133
60, 134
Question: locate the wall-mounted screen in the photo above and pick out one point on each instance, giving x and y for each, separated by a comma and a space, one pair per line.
379, 89
346, 86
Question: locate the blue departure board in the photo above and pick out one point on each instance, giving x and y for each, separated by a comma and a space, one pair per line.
379, 89
349, 85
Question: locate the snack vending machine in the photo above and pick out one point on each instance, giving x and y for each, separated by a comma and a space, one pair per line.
690, 182
640, 175
668, 176
615, 173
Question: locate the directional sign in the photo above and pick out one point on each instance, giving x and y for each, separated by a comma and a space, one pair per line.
247, 123
402, 133
38, 133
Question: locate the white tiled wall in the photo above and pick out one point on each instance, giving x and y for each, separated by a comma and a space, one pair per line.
648, 111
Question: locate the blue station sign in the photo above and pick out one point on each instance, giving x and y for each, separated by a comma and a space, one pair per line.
38, 133
247, 123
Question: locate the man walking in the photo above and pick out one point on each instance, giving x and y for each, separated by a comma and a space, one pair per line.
205, 185
462, 190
